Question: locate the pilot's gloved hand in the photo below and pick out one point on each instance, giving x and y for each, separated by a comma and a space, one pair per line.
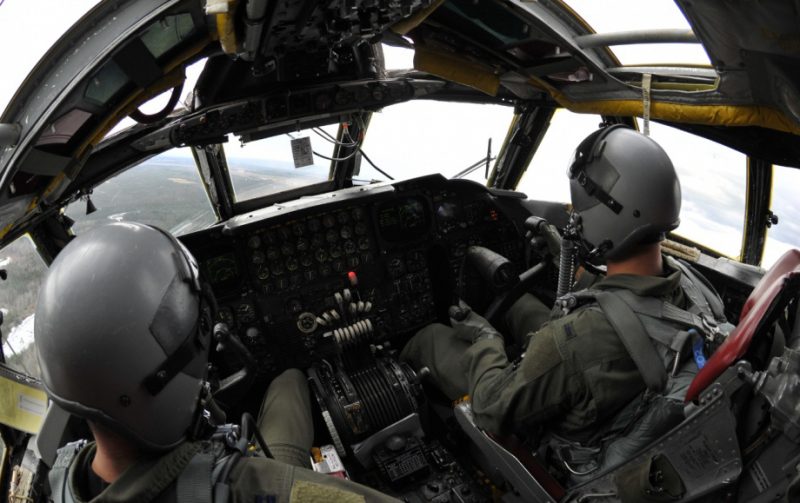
469, 325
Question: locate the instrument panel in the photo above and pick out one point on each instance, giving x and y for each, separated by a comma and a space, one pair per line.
376, 266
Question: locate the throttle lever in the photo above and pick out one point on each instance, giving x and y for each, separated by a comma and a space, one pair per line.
493, 267
225, 338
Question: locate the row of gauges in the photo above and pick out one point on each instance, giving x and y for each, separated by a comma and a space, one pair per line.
336, 248
301, 251
287, 232
245, 313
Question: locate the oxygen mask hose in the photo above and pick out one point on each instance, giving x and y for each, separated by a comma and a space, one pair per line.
566, 266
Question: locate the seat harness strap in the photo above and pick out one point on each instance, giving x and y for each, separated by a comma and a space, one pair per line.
58, 475
194, 483
635, 339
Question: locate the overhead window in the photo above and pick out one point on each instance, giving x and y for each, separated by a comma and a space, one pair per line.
398, 58
168, 33
106, 83
785, 206
629, 15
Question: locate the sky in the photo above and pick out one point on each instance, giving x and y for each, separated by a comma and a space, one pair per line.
417, 138
27, 29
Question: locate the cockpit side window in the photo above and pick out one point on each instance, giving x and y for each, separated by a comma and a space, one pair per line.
713, 180
165, 191
785, 233
712, 177
18, 293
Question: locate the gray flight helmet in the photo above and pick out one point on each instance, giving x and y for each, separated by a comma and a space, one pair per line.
122, 327
624, 191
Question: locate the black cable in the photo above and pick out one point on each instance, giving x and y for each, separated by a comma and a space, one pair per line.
359, 149
143, 118
379, 170
335, 158
330, 139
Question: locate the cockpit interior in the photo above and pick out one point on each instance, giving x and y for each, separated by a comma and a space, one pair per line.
329, 262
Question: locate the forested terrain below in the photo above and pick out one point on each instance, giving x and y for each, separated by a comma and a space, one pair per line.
163, 191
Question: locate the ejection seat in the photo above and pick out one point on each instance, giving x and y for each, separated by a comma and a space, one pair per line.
771, 294
709, 430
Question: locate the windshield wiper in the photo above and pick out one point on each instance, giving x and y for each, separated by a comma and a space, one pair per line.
484, 161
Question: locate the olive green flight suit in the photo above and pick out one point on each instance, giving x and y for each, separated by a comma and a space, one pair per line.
251, 480
575, 372
285, 423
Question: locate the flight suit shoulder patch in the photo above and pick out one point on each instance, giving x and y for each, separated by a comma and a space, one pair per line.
311, 492
569, 331
572, 328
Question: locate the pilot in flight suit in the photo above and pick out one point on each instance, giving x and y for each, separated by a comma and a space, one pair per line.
123, 329
576, 375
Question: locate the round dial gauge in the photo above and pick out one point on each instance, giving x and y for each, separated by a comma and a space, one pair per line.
245, 313
221, 269
258, 257
254, 242
225, 316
